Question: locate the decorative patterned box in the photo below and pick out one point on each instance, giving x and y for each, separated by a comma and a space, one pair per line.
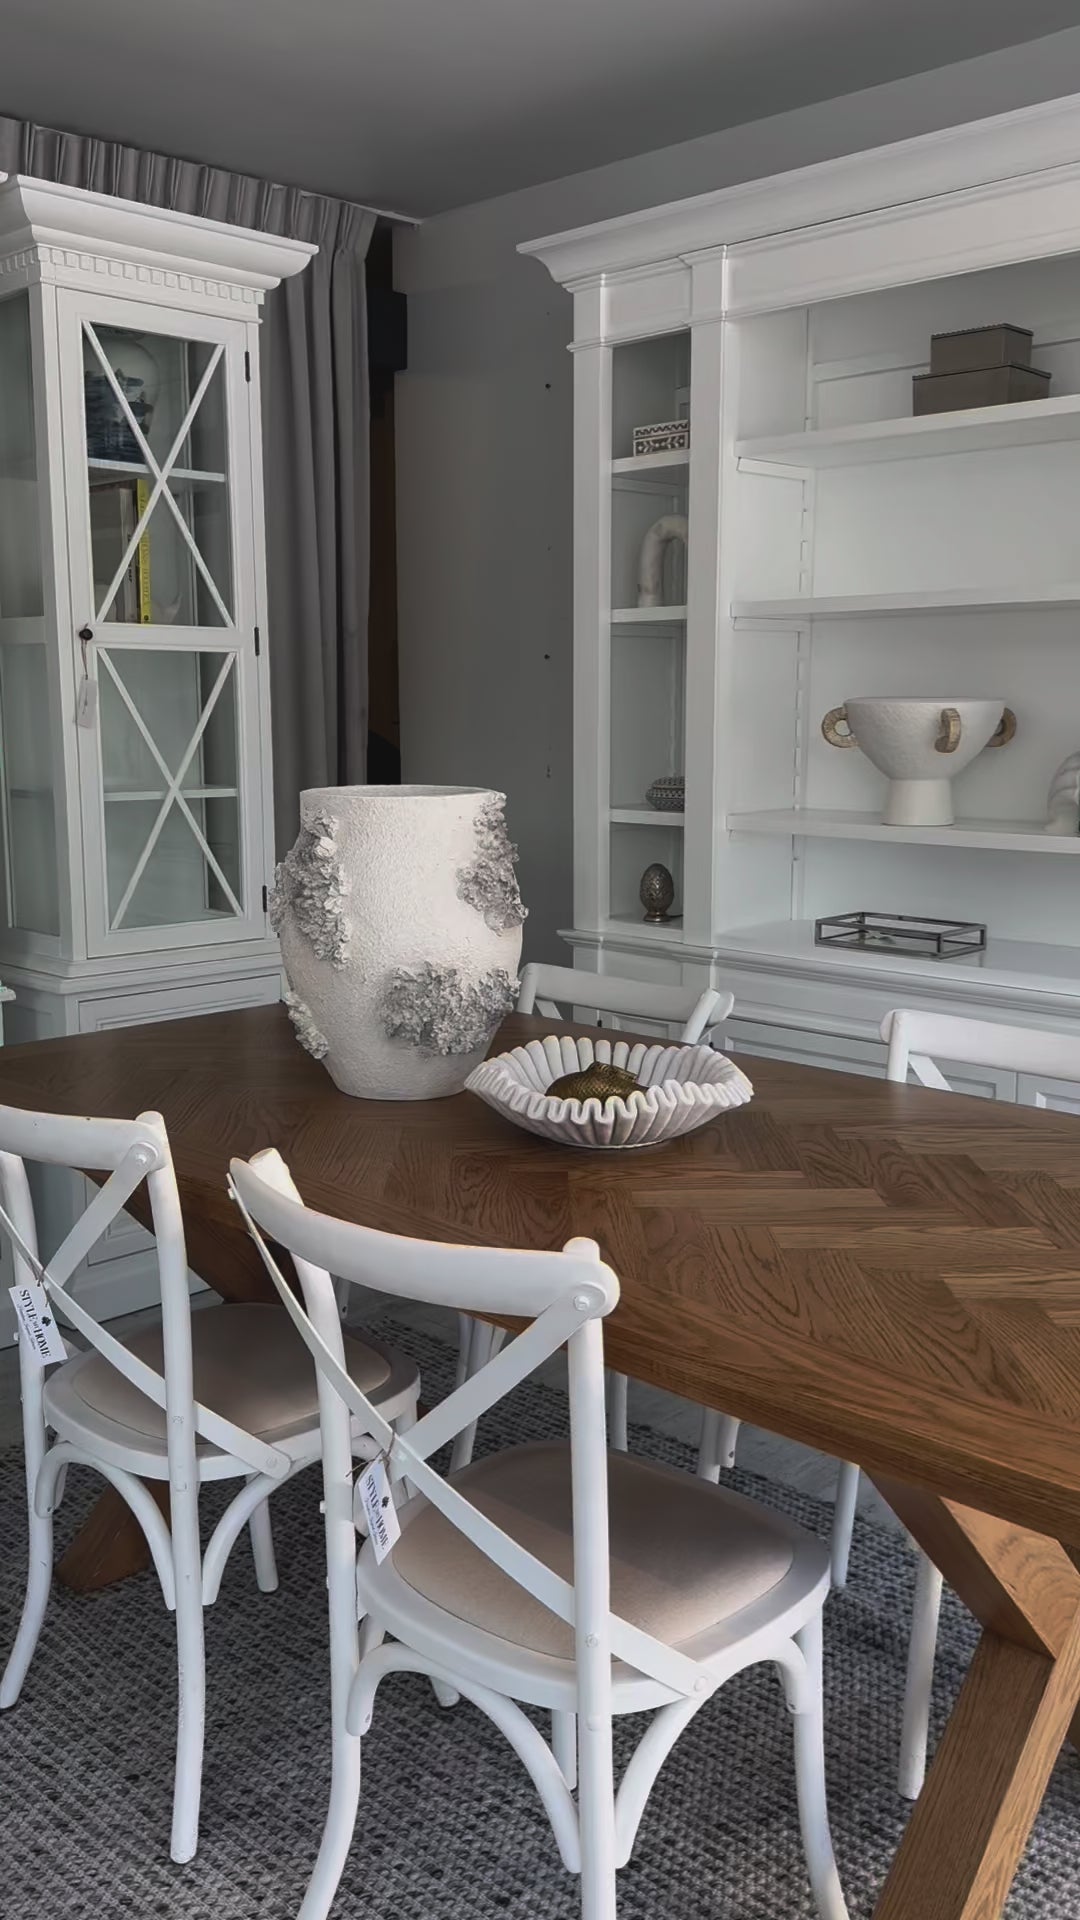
668, 436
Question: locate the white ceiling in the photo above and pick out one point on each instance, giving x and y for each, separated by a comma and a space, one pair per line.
427, 104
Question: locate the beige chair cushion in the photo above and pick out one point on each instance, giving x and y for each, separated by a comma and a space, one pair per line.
685, 1555
249, 1363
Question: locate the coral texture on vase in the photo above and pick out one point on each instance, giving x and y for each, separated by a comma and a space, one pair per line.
399, 918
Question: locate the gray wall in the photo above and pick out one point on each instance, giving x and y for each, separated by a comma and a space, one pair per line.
484, 442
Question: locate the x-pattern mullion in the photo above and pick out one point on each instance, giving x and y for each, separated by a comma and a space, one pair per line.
173, 795
161, 476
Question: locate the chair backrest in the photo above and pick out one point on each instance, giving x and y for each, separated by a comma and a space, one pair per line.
542, 988
128, 1152
917, 1040
565, 1296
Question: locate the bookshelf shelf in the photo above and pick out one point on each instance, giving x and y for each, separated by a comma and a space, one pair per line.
868, 606
823, 823
645, 817
104, 472
113, 795
1027, 423
675, 464
648, 616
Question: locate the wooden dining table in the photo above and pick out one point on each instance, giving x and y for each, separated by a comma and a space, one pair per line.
888, 1273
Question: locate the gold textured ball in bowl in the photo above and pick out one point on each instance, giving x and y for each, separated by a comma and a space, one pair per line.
598, 1082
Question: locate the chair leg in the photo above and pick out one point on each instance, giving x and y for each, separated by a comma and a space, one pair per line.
596, 1810
465, 1332
262, 1548
191, 1672
810, 1784
919, 1686
843, 1526
338, 1831
484, 1343
616, 1411
564, 1745
38, 1584
348, 1643
716, 1448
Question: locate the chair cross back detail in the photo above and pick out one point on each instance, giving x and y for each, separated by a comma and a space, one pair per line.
543, 987
573, 1314
140, 1151
917, 1040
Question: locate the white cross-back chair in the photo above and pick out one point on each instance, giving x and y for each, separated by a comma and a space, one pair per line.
228, 1392
556, 991
542, 989
916, 1042
553, 1575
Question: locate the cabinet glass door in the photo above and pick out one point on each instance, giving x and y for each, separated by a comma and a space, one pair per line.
157, 475
26, 737
170, 767
169, 643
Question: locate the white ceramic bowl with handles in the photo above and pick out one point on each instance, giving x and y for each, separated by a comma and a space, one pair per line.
920, 745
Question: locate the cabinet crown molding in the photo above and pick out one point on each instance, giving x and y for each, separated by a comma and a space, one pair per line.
61, 226
977, 154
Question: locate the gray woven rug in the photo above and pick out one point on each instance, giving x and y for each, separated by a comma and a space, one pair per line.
450, 1827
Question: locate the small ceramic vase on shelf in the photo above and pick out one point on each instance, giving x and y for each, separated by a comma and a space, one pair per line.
399, 918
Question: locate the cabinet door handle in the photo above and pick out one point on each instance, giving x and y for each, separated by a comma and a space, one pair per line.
86, 634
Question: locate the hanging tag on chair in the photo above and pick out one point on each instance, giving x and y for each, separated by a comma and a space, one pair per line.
376, 1502
41, 1335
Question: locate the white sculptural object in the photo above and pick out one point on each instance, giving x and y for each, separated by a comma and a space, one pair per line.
399, 918
671, 526
1063, 800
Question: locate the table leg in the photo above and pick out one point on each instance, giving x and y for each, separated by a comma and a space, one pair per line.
110, 1545
970, 1825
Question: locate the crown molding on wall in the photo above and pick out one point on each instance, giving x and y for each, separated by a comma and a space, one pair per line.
65, 222
978, 153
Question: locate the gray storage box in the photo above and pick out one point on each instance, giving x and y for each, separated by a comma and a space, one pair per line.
976, 347
980, 387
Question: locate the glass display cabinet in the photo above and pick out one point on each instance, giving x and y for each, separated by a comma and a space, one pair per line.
135, 781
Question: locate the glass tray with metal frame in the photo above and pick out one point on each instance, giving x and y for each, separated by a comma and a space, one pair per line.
930, 939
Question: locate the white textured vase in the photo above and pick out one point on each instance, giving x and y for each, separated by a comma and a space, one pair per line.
399, 918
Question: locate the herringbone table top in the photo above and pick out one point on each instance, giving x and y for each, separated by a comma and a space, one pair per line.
889, 1273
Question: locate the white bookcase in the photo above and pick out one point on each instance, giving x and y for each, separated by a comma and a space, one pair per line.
837, 547
135, 779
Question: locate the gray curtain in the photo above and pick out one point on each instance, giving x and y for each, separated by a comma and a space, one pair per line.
315, 431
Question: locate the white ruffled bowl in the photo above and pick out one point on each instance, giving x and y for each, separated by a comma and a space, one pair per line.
681, 1088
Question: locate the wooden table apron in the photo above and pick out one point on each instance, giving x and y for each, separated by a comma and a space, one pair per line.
888, 1273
